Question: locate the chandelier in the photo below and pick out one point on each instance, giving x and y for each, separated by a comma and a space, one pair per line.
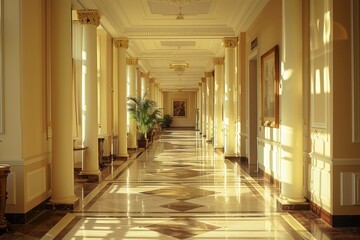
180, 3
179, 68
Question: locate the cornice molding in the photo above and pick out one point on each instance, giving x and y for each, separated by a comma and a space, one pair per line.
91, 17
218, 60
121, 43
230, 42
132, 61
154, 34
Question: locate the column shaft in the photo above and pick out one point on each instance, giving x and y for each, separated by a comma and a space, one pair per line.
203, 107
145, 84
122, 45
131, 78
291, 125
218, 102
62, 183
90, 21
229, 111
209, 106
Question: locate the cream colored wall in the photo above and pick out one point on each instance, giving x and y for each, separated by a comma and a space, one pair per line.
190, 97
24, 144
346, 154
269, 35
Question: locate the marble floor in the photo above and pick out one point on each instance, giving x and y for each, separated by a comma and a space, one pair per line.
179, 188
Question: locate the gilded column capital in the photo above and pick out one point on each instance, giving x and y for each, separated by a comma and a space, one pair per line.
144, 75
121, 43
208, 74
89, 17
152, 80
199, 84
203, 79
230, 42
132, 61
218, 60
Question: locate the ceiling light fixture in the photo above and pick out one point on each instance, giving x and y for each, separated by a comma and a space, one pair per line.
180, 3
179, 68
180, 16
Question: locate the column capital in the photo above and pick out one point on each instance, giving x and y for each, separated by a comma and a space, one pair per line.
144, 75
89, 17
218, 60
152, 80
208, 74
203, 79
121, 43
132, 61
199, 84
230, 42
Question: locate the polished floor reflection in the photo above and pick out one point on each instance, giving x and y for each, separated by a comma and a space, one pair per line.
180, 188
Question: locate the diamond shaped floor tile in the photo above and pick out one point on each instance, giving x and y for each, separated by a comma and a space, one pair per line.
182, 206
181, 173
180, 192
182, 228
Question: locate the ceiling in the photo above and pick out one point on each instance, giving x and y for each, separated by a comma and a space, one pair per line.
158, 39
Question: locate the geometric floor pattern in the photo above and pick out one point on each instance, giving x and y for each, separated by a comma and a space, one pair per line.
179, 188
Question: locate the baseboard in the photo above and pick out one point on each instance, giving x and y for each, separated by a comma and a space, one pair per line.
335, 220
269, 178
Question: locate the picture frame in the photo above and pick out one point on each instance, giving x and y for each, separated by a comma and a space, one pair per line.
179, 108
270, 88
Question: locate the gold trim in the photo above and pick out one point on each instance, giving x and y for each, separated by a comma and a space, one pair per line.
144, 75
203, 79
132, 61
208, 74
89, 17
218, 60
230, 42
121, 43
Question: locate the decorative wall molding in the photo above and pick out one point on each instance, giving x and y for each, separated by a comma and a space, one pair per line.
36, 183
345, 161
319, 134
355, 65
350, 188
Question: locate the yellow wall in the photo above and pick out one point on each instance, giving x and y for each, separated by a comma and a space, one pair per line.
190, 97
342, 92
268, 34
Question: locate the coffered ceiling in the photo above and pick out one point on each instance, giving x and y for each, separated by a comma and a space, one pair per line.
158, 39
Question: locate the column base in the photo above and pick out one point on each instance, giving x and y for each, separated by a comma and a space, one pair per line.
92, 176
284, 204
64, 203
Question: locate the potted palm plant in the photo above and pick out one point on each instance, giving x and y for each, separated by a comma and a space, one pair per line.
146, 114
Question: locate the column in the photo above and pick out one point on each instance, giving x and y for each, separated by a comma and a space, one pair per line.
229, 103
144, 84
152, 89
122, 45
209, 106
131, 82
218, 102
199, 108
156, 93
90, 20
291, 123
62, 182
203, 106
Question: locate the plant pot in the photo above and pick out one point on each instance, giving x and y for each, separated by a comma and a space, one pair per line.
143, 143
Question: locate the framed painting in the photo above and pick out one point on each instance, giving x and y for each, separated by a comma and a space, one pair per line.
179, 108
270, 88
